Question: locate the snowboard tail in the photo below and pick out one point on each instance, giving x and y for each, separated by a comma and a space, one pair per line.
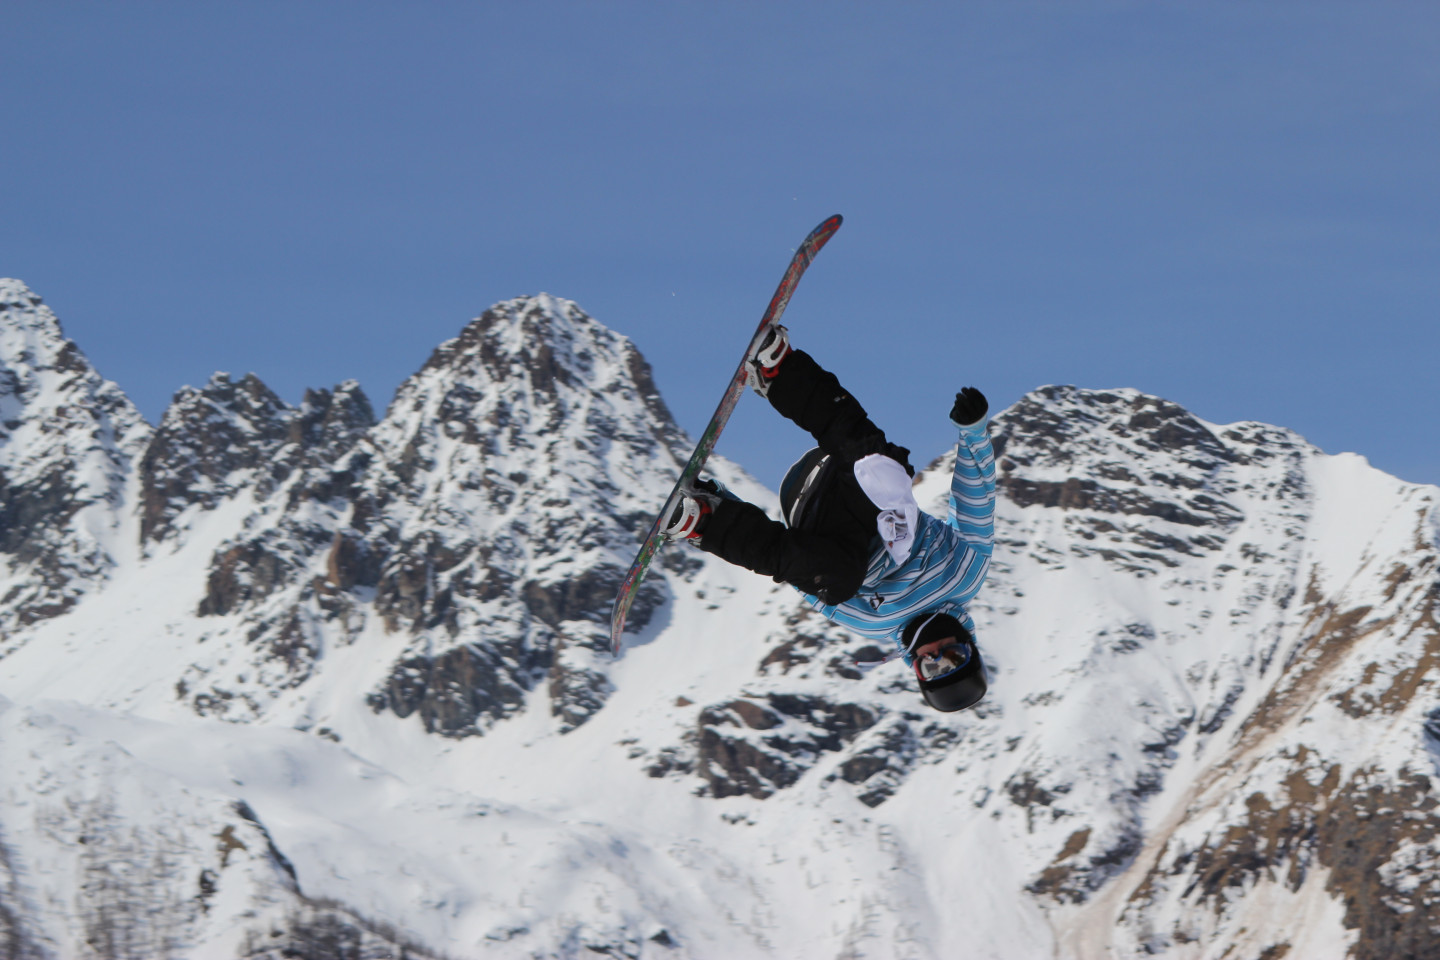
656, 539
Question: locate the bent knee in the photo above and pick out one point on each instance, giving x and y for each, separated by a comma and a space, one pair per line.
833, 583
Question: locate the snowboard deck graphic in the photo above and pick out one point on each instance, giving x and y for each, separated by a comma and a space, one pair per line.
656, 539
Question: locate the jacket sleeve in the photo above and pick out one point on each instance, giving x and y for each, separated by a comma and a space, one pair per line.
972, 488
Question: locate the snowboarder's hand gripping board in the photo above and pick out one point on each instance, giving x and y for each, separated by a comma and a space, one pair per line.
803, 255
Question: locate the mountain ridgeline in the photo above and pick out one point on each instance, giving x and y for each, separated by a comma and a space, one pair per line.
230, 643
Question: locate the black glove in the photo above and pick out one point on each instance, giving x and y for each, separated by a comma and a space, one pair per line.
970, 407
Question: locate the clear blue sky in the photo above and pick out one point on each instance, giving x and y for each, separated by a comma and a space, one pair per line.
1232, 205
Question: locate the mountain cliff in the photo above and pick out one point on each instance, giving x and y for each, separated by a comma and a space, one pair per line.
68, 445
291, 681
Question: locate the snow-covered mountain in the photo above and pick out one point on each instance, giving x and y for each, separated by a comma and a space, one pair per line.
290, 682
68, 445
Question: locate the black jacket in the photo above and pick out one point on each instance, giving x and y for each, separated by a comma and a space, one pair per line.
830, 556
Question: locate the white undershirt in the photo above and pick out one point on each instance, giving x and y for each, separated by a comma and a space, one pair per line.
888, 486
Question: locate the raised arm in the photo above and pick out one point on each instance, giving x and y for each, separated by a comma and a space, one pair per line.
972, 488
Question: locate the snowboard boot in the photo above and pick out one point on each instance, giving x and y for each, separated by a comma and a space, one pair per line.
770, 346
694, 508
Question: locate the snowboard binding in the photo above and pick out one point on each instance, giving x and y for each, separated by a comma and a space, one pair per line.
770, 346
687, 521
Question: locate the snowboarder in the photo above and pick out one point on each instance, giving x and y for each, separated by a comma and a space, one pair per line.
853, 541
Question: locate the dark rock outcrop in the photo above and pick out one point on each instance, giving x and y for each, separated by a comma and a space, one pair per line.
228, 436
208, 444
498, 501
758, 746
458, 691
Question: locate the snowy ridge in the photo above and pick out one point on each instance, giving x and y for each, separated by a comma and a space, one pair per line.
68, 440
1252, 636
353, 693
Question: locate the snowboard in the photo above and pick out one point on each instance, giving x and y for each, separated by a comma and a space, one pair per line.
804, 254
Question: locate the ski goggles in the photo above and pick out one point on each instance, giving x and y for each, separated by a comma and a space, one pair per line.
945, 661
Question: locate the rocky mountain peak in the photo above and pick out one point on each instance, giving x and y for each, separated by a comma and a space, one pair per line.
539, 385
544, 347
1127, 458
330, 421
43, 371
514, 473
16, 293
489, 517
208, 443
25, 314
67, 441
545, 335
1060, 424
230, 434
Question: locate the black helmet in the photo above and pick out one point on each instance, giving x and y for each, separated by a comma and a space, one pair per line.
805, 478
954, 678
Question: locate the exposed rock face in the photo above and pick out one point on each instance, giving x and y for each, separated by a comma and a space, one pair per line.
286, 447
328, 424
879, 764
1118, 461
207, 447
793, 731
453, 690
488, 517
329, 931
1269, 755
1239, 699
68, 441
500, 507
1381, 868
230, 436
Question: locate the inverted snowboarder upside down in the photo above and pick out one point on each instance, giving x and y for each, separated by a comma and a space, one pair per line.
854, 541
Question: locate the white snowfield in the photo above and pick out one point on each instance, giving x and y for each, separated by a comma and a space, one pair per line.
1213, 650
